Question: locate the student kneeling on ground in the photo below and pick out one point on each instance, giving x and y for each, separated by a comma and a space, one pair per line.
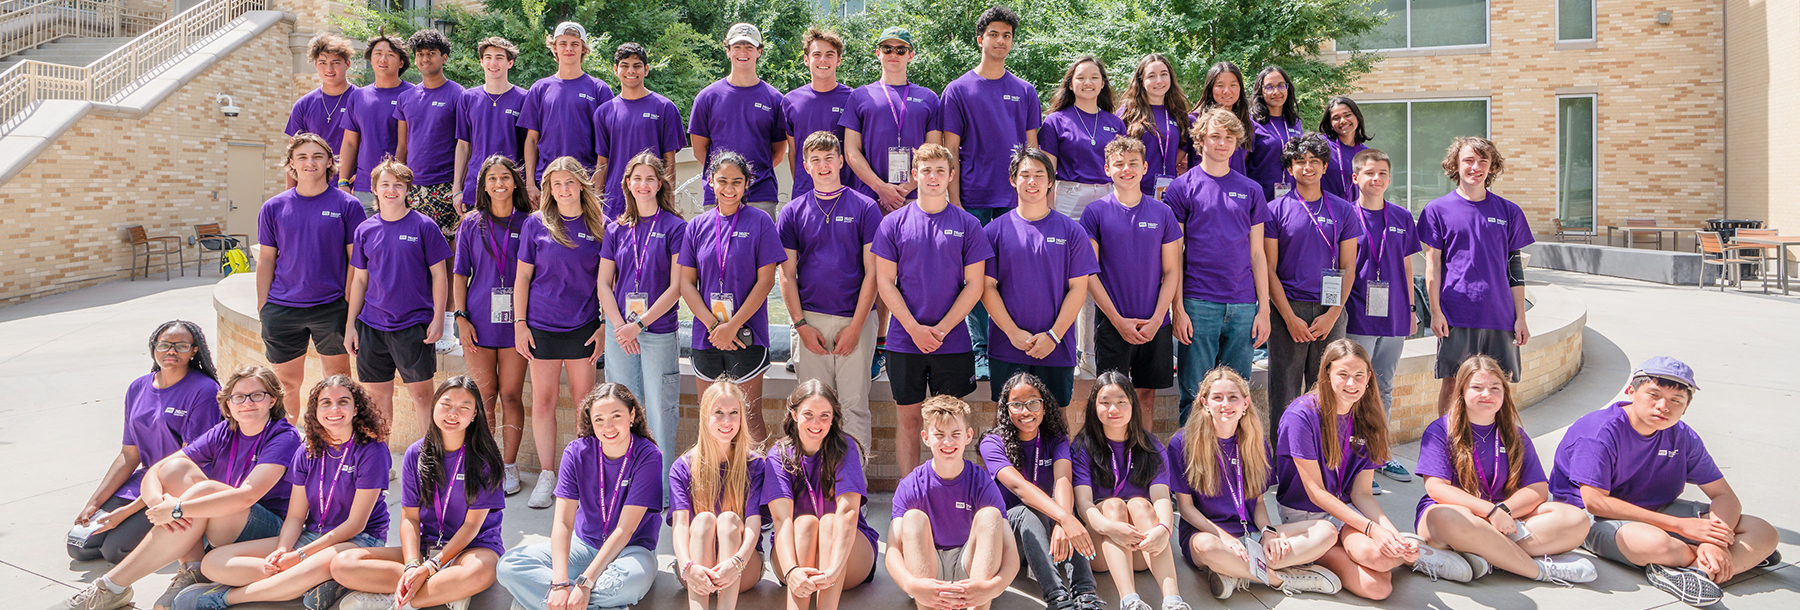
1628, 463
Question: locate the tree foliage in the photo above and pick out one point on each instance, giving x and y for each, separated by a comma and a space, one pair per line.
683, 38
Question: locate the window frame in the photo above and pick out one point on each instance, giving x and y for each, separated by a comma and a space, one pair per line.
1594, 170
1487, 121
1487, 35
1593, 23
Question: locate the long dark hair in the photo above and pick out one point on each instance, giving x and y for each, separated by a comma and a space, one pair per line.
1146, 460
521, 202
1052, 423
202, 355
1065, 93
831, 450
482, 467
1330, 131
640, 427
1135, 109
367, 426
1259, 109
1240, 108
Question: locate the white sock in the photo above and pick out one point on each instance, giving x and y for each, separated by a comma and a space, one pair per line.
1171, 599
1125, 601
108, 583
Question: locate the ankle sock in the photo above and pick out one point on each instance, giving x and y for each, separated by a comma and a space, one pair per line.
108, 583
1126, 601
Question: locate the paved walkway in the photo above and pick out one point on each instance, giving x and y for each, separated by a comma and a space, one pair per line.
65, 362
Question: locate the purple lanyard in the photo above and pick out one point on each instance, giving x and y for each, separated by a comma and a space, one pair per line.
1344, 468
1324, 210
1169, 138
1237, 493
329, 493
443, 506
640, 241
897, 110
722, 241
608, 516
1037, 455
231, 467
1380, 246
500, 250
816, 493
1120, 475
1495, 483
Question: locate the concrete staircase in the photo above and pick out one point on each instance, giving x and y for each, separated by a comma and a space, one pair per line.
67, 51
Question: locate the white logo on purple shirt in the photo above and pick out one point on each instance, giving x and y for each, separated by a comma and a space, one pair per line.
585, 96
1109, 129
176, 412
760, 106
330, 213
1009, 97
953, 232
438, 104
914, 99
584, 236
736, 234
837, 110
1667, 452
1236, 195
514, 113
844, 219
1498, 221
652, 116
411, 238
964, 506
347, 467
1397, 230
1056, 240
1146, 225
652, 234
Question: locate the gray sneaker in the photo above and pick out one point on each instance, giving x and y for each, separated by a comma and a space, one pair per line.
95, 597
1220, 585
184, 578
1309, 578
1566, 568
1478, 565
543, 494
509, 482
1690, 585
1440, 563
1136, 604
1170, 603
363, 600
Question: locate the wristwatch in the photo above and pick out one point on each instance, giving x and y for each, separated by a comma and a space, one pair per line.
580, 580
462, 313
1504, 508
640, 324
175, 513
1270, 529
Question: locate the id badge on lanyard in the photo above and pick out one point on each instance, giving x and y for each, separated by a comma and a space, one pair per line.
1331, 288
1162, 186
1378, 299
1259, 563
501, 306
899, 160
636, 305
1282, 189
722, 304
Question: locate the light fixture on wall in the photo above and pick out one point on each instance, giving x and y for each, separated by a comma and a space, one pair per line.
227, 106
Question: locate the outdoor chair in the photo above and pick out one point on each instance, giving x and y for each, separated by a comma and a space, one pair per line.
1564, 234
142, 244
1760, 252
1713, 251
210, 237
1632, 239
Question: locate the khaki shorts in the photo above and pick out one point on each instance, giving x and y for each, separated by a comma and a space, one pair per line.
952, 563
1603, 535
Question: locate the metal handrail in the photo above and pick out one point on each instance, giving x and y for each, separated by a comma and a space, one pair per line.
117, 73
48, 20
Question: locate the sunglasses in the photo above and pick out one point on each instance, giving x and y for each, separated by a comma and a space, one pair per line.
888, 49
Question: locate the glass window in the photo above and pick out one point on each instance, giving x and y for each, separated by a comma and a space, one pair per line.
1426, 23
1575, 19
1415, 135
1575, 162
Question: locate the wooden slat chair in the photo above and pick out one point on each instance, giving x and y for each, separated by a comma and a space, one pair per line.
1713, 251
1564, 234
1760, 252
211, 237
1643, 238
142, 244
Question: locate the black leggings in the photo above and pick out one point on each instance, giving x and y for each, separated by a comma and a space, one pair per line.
117, 542
1032, 528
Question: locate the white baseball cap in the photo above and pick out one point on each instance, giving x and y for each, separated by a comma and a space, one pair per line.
743, 32
569, 27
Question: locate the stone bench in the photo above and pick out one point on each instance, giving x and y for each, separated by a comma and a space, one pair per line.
1660, 266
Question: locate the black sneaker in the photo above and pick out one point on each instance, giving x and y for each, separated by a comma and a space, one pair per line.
1690, 585
1774, 559
324, 596
981, 367
1060, 601
1088, 600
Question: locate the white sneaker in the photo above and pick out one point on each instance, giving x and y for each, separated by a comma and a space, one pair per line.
509, 483
1439, 563
1220, 585
96, 597
461, 604
1309, 578
363, 600
543, 494
447, 342
1566, 568
1478, 565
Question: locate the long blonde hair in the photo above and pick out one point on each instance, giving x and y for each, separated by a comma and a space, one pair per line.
1202, 444
592, 214
726, 493
1367, 415
1462, 436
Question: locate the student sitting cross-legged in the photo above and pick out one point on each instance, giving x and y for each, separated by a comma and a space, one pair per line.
1628, 463
815, 493
1028, 451
715, 501
1219, 467
1122, 492
949, 546
1486, 492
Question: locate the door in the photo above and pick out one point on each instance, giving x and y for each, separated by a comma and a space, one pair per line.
245, 179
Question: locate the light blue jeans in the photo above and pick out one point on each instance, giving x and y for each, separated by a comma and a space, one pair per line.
1221, 336
1384, 352
654, 377
525, 573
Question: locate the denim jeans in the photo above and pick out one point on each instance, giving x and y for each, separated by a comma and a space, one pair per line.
654, 377
1221, 337
525, 573
978, 317
1384, 352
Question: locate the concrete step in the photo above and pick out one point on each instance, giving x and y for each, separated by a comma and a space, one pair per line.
68, 51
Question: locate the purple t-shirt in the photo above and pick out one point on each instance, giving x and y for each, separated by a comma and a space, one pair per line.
158, 421
622, 129
562, 112
1078, 141
430, 116
1309, 234
808, 111
330, 482
1228, 509
1476, 239
727, 252
1338, 172
1131, 242
1264, 160
1299, 438
490, 124
378, 132
228, 456
1163, 145
641, 256
806, 488
949, 504
487, 252
929, 252
1388, 238
1033, 263
681, 489
1602, 450
744, 120
1122, 464
1040, 454
1216, 215
563, 295
877, 112
311, 236
444, 515
828, 236
322, 115
992, 117
1491, 465
603, 493
398, 256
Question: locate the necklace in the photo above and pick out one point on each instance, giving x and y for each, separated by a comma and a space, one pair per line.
1081, 119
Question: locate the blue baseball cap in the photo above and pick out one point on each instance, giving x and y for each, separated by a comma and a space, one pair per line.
1667, 368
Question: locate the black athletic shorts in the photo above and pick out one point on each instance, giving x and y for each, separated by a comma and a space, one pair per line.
914, 377
1151, 366
380, 352
715, 365
286, 331
564, 345
1465, 342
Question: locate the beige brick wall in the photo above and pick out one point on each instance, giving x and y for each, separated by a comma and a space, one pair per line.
1762, 109
66, 213
1660, 103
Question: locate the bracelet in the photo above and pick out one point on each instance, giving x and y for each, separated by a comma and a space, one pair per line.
344, 183
1490, 513
788, 573
1369, 528
799, 323
412, 564
1165, 527
685, 566
737, 561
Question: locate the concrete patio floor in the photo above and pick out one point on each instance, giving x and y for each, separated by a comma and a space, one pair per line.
65, 361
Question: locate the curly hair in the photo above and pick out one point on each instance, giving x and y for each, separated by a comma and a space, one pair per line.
368, 426
270, 384
201, 361
1051, 426
1483, 147
640, 427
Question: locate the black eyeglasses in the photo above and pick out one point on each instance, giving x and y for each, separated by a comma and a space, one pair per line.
1029, 406
179, 348
888, 49
257, 396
